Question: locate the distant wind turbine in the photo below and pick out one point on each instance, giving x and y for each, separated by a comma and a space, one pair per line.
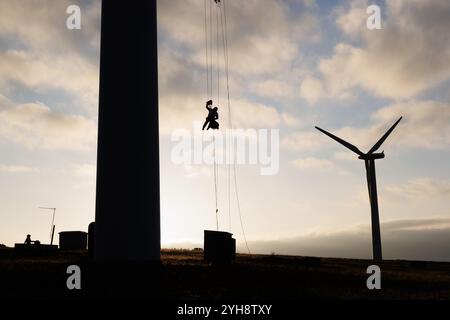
369, 159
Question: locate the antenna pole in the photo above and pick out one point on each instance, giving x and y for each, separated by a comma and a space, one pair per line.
53, 233
52, 226
53, 222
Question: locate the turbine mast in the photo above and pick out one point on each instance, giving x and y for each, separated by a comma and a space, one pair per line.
128, 203
375, 215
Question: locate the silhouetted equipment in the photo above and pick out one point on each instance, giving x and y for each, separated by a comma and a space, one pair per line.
219, 247
52, 226
73, 240
369, 159
91, 239
34, 247
128, 201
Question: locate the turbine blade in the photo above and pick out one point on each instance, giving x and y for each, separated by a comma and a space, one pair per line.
383, 138
341, 141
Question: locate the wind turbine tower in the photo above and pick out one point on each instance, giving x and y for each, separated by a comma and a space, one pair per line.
127, 218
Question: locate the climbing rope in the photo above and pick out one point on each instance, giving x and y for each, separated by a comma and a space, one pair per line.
207, 52
216, 182
209, 86
221, 23
230, 124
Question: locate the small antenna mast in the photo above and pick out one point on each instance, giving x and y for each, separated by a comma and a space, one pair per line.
52, 227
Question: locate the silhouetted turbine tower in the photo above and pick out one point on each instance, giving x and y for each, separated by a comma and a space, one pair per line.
369, 159
128, 204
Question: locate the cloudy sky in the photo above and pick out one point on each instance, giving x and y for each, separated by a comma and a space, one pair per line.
294, 64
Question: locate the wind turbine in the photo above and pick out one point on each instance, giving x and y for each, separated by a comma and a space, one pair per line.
369, 159
52, 227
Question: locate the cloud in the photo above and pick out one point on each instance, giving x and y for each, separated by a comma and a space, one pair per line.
42, 55
257, 46
422, 188
302, 141
34, 26
43, 73
196, 171
416, 224
312, 163
290, 120
425, 125
179, 112
255, 115
35, 125
182, 102
86, 176
352, 21
182, 112
344, 155
262, 38
274, 89
85, 170
420, 239
409, 56
17, 169
310, 3
311, 90
414, 239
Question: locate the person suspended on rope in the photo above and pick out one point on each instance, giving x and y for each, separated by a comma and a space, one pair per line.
213, 116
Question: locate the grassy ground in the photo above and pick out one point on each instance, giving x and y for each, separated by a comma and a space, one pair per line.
184, 275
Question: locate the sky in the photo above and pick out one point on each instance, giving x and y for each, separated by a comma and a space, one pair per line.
293, 64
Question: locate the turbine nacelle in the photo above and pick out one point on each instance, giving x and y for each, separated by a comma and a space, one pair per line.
372, 156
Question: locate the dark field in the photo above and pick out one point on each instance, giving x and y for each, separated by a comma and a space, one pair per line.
184, 275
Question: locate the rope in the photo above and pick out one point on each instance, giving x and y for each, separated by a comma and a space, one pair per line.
209, 44
209, 89
225, 40
211, 49
218, 55
230, 126
216, 182
206, 51
218, 103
